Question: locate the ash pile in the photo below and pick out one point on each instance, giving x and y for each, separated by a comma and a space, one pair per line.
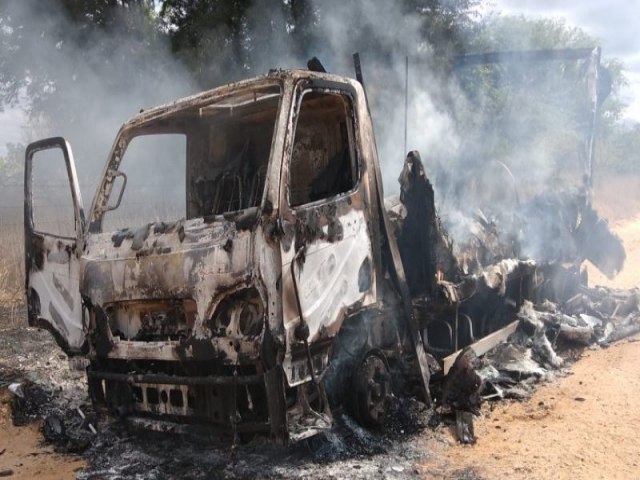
38, 385
549, 336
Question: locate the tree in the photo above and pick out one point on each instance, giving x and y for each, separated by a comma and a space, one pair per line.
48, 49
202, 31
619, 149
219, 40
11, 162
532, 117
446, 25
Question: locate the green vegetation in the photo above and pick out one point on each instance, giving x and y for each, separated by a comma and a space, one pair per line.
520, 113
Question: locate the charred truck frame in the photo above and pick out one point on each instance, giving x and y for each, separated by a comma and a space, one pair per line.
280, 289
230, 315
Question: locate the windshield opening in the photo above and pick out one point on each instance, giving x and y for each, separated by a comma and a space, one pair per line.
155, 167
201, 161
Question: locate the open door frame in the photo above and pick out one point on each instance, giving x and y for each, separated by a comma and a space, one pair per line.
52, 262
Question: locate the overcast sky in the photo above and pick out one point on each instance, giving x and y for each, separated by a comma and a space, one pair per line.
615, 23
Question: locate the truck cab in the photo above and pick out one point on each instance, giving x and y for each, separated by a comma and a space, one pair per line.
236, 268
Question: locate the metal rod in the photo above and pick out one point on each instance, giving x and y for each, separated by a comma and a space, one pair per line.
406, 99
522, 56
162, 379
594, 70
358, 68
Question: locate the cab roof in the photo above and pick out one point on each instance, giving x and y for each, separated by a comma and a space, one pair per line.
273, 78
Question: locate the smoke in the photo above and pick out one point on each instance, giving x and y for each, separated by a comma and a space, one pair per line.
603, 20
519, 136
100, 78
87, 81
385, 34
480, 150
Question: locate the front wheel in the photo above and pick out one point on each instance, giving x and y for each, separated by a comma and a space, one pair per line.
372, 389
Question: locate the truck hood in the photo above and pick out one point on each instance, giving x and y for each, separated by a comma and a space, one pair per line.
184, 259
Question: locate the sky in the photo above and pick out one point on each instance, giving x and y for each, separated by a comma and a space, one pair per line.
615, 23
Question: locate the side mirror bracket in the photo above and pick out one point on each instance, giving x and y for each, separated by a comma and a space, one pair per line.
124, 184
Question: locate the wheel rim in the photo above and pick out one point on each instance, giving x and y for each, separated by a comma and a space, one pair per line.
373, 389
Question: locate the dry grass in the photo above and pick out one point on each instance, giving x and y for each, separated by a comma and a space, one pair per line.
12, 297
11, 264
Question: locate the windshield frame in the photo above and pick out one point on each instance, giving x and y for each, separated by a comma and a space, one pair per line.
158, 121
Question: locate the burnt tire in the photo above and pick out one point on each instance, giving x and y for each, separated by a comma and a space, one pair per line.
371, 389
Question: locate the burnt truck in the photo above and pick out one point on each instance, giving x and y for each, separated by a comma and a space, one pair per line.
272, 284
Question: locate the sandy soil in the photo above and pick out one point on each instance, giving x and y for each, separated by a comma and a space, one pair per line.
23, 452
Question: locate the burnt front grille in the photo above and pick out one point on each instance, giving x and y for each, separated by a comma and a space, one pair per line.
213, 399
152, 320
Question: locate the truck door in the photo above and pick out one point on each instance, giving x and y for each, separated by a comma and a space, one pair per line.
53, 226
326, 247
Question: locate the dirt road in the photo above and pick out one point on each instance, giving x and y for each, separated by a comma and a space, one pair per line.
583, 426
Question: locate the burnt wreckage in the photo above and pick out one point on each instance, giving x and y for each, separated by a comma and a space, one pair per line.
285, 288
